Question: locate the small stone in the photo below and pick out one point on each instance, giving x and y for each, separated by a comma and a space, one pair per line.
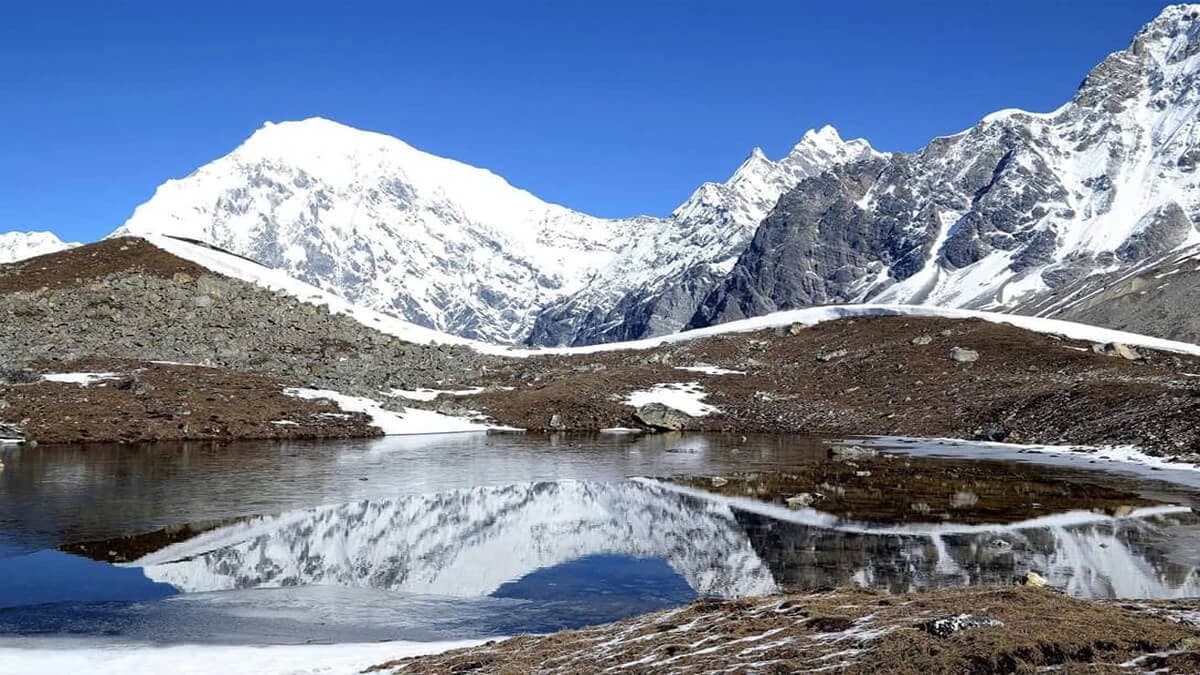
862, 474
920, 507
182, 278
202, 301
1034, 580
963, 355
922, 339
801, 500
963, 499
1118, 349
946, 626
835, 490
795, 329
718, 481
831, 355
556, 422
946, 333
1123, 511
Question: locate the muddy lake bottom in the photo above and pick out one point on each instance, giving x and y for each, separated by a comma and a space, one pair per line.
464, 537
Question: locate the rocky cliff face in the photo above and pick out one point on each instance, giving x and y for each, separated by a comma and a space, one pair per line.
654, 285
1014, 207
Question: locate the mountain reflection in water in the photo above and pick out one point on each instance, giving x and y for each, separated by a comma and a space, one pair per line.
470, 543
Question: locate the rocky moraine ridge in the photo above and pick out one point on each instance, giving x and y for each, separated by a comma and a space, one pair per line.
125, 299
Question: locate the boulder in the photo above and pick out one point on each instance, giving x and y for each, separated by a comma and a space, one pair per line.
1034, 580
800, 501
1118, 349
962, 355
661, 417
946, 626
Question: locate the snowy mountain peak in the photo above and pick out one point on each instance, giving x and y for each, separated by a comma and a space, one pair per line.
371, 218
1016, 206
16, 246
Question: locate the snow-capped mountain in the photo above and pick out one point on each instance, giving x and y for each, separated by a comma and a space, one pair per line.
382, 224
452, 247
16, 246
654, 285
1014, 207
1017, 208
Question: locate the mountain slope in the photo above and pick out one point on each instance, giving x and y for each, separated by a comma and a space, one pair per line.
1012, 208
655, 284
16, 246
372, 219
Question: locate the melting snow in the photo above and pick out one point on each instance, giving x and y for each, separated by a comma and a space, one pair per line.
430, 394
686, 397
710, 370
81, 379
410, 421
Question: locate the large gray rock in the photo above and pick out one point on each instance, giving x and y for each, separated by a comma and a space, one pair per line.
661, 417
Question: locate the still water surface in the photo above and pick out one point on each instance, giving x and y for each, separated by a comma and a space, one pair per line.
466, 536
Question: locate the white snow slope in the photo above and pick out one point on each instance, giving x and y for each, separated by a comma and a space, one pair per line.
16, 246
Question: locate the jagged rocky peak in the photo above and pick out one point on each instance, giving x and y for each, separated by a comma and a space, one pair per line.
18, 245
1011, 208
654, 285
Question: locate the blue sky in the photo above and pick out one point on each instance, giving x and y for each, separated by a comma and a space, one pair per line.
613, 108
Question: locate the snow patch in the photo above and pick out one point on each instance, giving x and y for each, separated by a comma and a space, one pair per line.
686, 397
430, 394
410, 421
81, 379
710, 370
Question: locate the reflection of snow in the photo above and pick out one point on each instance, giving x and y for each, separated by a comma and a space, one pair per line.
467, 543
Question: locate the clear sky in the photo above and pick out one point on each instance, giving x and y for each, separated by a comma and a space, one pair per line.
610, 107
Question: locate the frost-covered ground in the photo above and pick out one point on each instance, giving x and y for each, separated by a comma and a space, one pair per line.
19, 656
